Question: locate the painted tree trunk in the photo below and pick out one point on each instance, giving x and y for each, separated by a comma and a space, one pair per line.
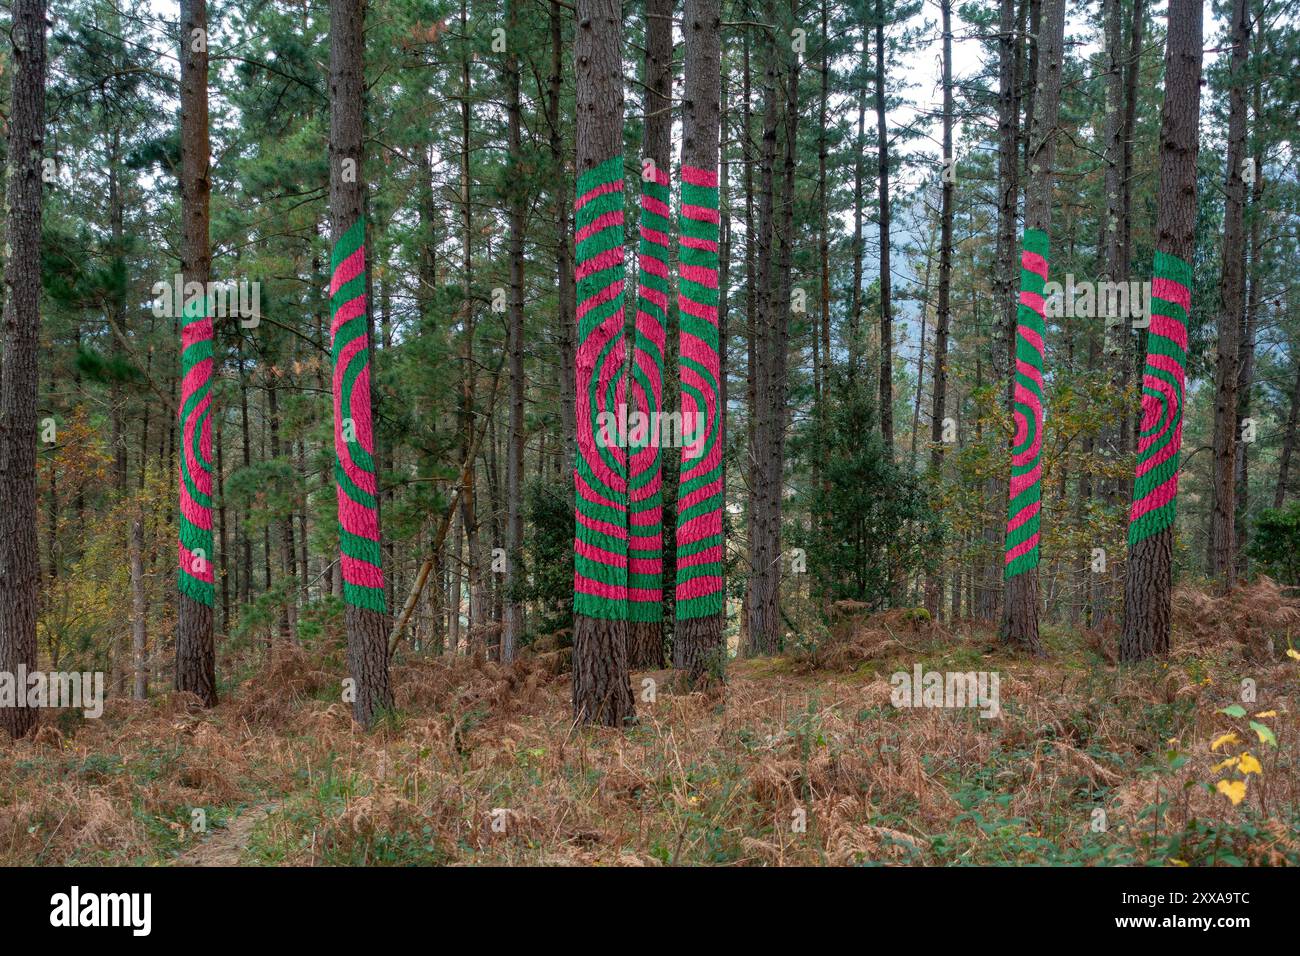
645, 490
1020, 620
697, 648
195, 671
1155, 488
356, 489
602, 693
195, 651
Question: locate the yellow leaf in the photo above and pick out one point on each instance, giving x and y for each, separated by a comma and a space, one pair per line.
1267, 713
1228, 738
1176, 862
1248, 764
1224, 764
1234, 790
1292, 653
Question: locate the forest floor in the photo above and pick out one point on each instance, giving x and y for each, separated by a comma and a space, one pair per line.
800, 759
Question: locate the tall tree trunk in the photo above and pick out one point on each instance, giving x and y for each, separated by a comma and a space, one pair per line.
563, 255
1020, 620
514, 605
763, 596
1004, 279
697, 645
139, 613
645, 599
358, 504
1288, 442
474, 565
20, 568
1155, 488
1249, 331
944, 317
859, 177
602, 693
1232, 289
1132, 358
284, 523
886, 306
195, 652
1114, 268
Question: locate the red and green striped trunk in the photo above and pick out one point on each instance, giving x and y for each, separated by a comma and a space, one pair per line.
600, 474
194, 574
1155, 486
1026, 468
645, 488
700, 492
354, 464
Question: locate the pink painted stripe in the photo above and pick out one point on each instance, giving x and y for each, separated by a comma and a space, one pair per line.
361, 573
585, 585
1024, 515
348, 269
701, 586
597, 263
606, 220
613, 186
1023, 548
1033, 262
700, 213
700, 275
698, 176
1158, 497
1172, 291
186, 560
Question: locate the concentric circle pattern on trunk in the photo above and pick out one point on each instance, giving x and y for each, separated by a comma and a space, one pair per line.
1155, 488
194, 573
699, 500
1026, 468
601, 537
354, 465
645, 487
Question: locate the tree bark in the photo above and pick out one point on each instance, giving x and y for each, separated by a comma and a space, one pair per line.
361, 555
1232, 288
943, 318
1005, 276
886, 306
1288, 443
514, 604
1020, 620
602, 693
645, 493
1150, 559
697, 646
195, 650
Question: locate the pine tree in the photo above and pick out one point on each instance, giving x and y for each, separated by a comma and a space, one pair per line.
697, 645
354, 471
1155, 489
602, 693
20, 569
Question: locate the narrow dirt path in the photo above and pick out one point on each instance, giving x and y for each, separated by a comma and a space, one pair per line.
225, 847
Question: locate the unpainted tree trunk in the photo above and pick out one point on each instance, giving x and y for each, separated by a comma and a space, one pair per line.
1232, 291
